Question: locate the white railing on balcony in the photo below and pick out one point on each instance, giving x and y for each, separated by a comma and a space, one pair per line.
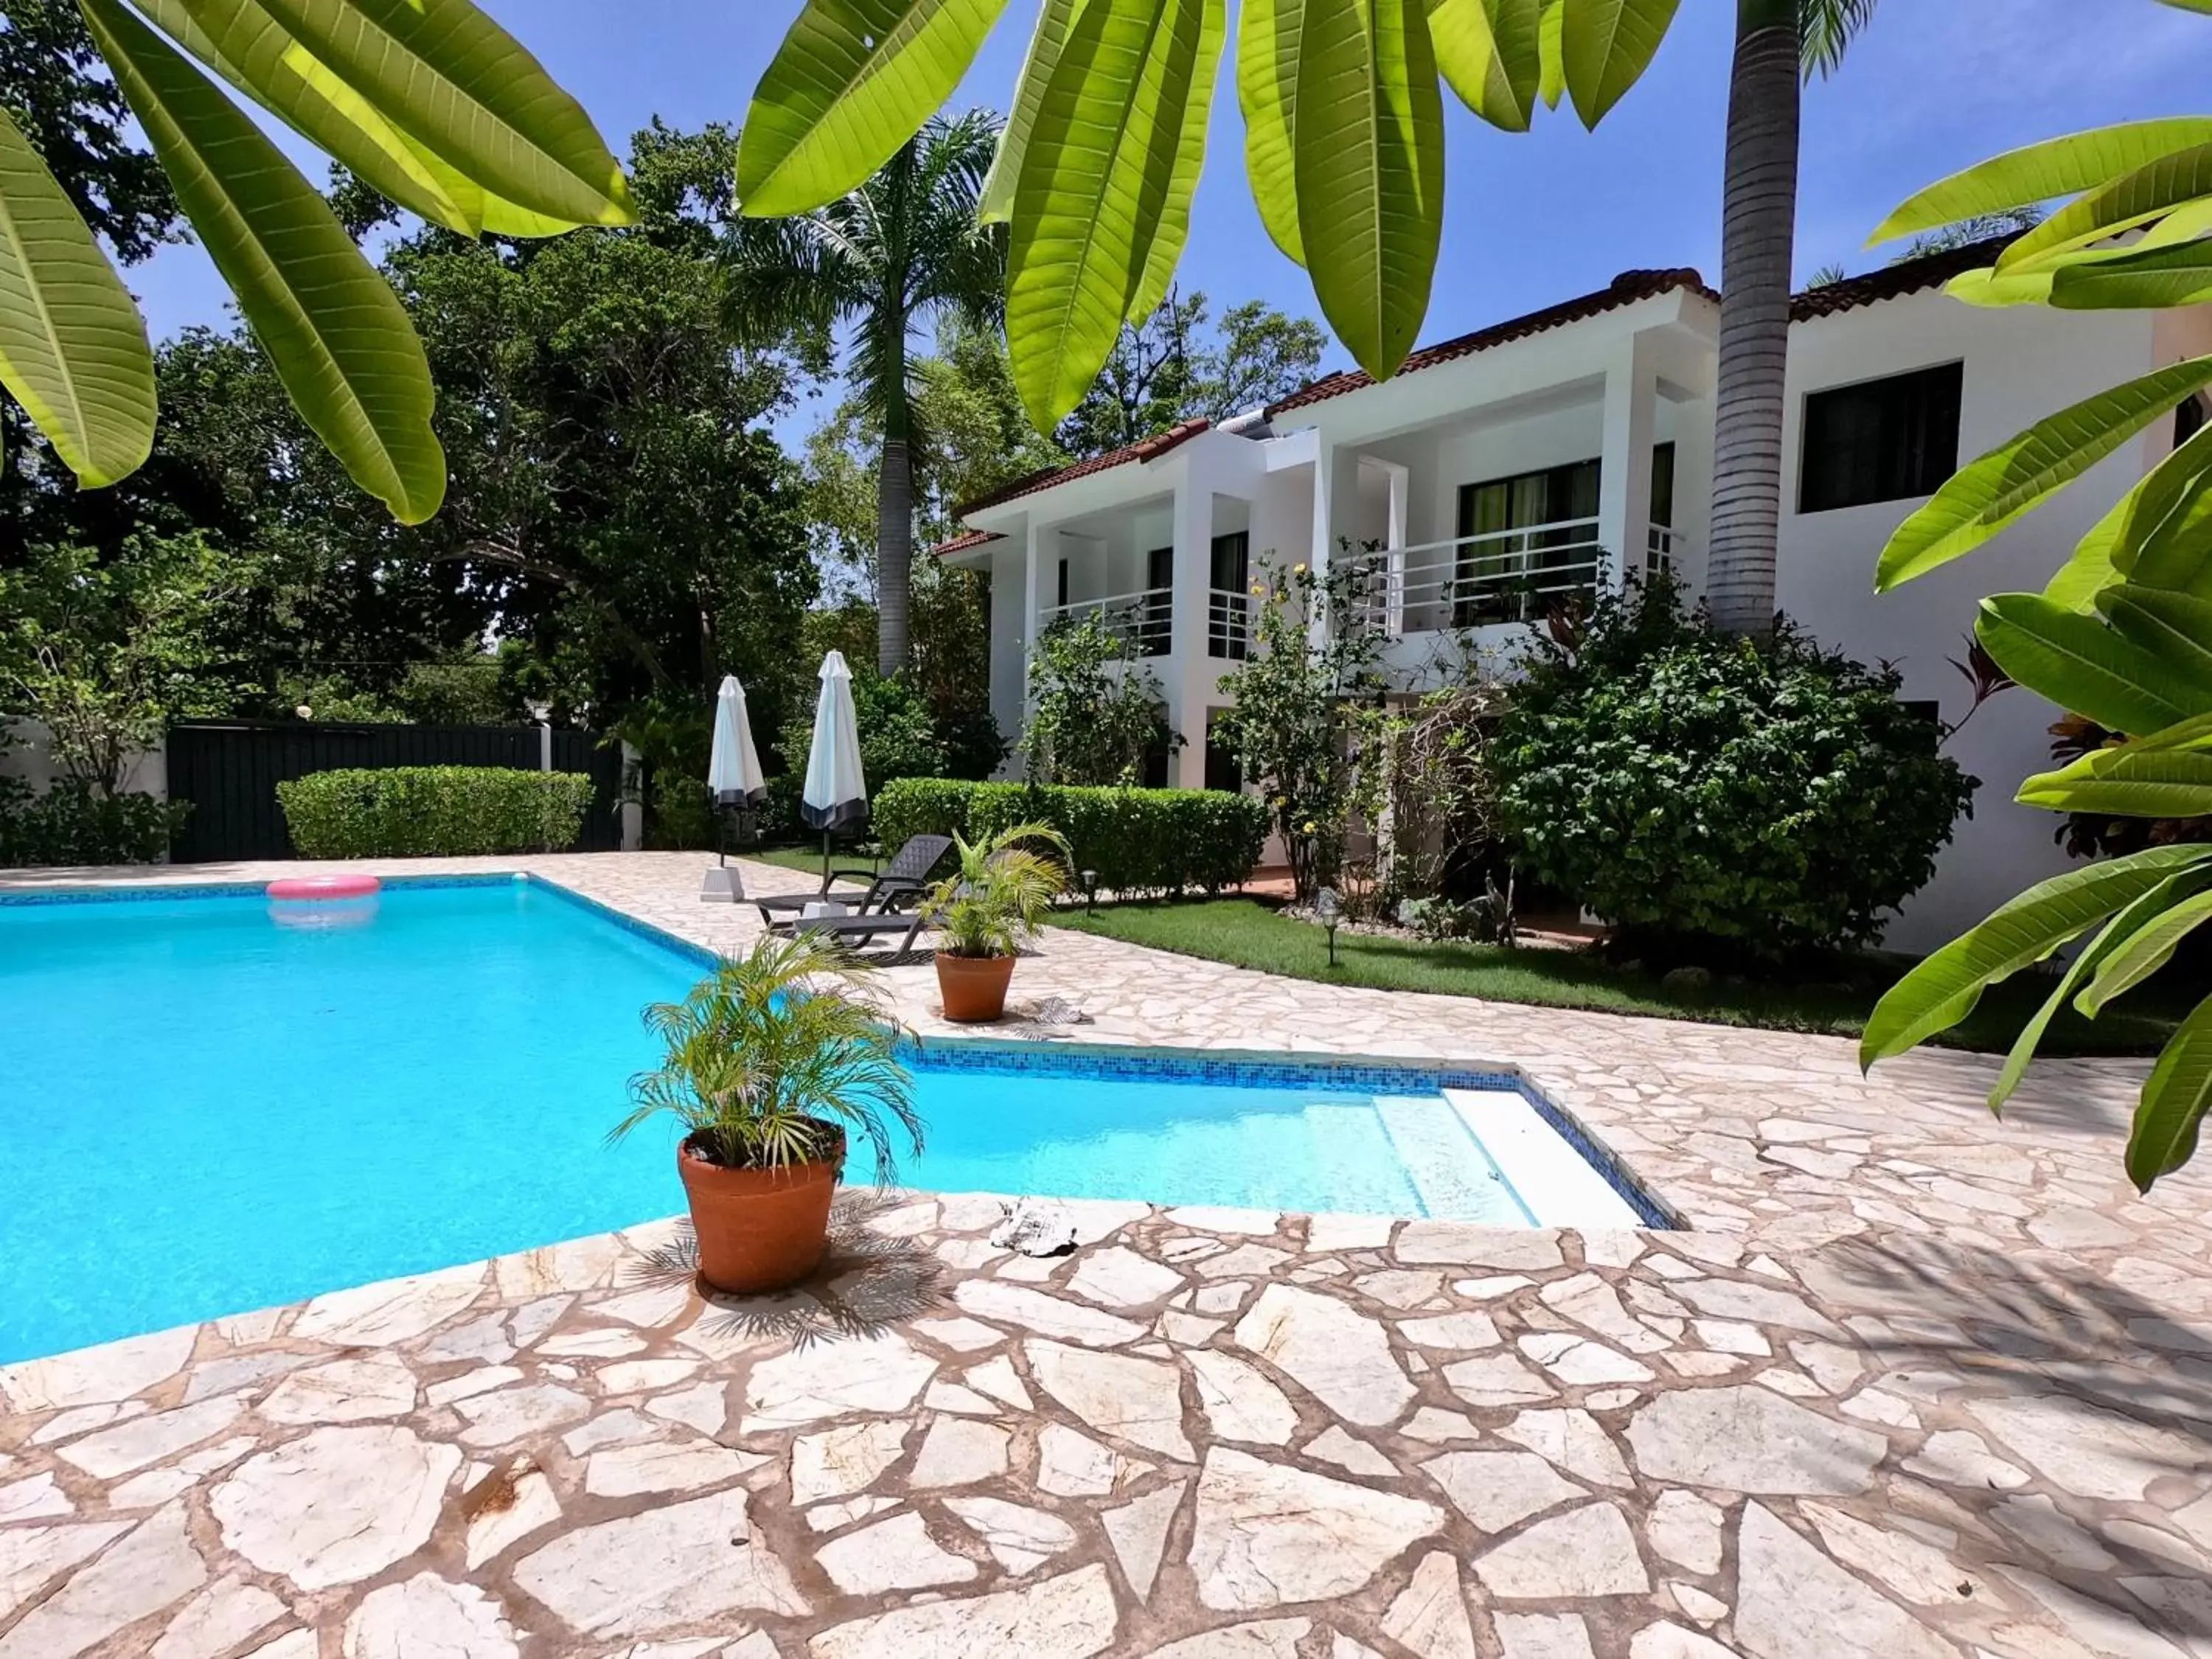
1144, 621
1229, 622
1472, 581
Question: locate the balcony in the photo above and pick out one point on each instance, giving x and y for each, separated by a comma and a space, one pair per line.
1144, 622
1506, 576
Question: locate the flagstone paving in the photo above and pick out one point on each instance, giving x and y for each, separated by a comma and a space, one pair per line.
1909, 1382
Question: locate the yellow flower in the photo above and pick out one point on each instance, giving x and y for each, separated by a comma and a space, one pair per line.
1297, 570
1312, 828
1257, 590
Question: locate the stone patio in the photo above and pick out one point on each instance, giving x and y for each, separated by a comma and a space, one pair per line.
1912, 1383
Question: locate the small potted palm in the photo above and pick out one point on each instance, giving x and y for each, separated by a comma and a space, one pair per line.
984, 910
773, 1064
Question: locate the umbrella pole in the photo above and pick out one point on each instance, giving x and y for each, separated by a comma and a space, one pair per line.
721, 837
825, 860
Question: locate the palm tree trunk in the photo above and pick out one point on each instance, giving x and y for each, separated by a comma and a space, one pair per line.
894, 555
1758, 224
895, 513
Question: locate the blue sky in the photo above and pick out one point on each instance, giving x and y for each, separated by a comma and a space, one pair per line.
1531, 218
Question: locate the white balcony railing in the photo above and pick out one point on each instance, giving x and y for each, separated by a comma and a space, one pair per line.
1144, 621
1472, 582
1229, 622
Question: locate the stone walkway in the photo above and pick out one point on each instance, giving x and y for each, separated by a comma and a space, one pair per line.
1913, 1383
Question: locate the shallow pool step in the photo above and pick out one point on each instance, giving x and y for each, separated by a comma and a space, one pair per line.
1558, 1183
1457, 1179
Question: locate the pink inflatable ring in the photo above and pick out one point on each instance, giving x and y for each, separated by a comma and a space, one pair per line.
324, 887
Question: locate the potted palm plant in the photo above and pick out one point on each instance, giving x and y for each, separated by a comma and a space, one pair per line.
993, 901
773, 1064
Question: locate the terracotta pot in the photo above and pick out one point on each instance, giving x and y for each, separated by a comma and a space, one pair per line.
973, 987
759, 1229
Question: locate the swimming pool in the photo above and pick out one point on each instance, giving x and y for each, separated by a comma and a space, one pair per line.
203, 1112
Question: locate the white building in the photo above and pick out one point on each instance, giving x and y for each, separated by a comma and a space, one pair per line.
1563, 449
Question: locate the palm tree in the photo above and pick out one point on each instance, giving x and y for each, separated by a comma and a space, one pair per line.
876, 265
1778, 43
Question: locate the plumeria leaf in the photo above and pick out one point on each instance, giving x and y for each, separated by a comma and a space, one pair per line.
852, 83
1942, 989
333, 329
73, 348
468, 92
1605, 48
2081, 664
1103, 156
2055, 167
1985, 496
1490, 54
241, 42
1055, 18
2171, 1109
1267, 95
1371, 172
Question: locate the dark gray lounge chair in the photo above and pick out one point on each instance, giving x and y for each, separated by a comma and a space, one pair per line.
898, 883
859, 932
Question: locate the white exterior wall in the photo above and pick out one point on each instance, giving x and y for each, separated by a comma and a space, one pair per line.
2020, 366
29, 756
1644, 371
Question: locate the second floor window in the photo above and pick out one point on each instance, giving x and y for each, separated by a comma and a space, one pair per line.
1880, 440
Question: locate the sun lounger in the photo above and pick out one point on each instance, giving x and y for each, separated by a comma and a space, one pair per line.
899, 881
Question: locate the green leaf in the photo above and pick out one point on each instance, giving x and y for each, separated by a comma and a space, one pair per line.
2089, 570
2080, 664
2127, 782
2135, 198
72, 346
2142, 518
1605, 48
1371, 172
1985, 497
335, 331
1268, 94
852, 81
2168, 1117
2057, 167
2174, 628
1552, 53
1986, 288
1942, 989
1055, 18
1174, 227
460, 85
246, 47
1102, 158
2158, 280
2116, 933
1490, 56
2145, 952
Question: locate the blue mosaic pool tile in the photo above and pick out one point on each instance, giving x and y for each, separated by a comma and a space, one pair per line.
150, 893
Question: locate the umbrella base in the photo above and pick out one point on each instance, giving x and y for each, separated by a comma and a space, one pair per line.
723, 886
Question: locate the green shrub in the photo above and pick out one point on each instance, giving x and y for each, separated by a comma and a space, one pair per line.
1139, 841
429, 811
1712, 795
72, 823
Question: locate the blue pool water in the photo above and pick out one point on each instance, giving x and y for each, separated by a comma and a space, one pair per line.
203, 1112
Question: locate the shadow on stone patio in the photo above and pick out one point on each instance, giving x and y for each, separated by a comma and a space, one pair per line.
2104, 1391
866, 1285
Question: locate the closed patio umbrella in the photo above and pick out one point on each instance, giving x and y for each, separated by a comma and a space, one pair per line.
734, 783
835, 793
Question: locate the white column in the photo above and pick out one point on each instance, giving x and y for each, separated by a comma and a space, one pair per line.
1624, 509
1009, 634
1188, 672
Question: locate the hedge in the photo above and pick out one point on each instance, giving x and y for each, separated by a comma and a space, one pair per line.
429, 811
72, 823
1139, 841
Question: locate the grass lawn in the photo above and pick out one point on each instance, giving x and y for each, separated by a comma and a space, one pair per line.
808, 859
1250, 934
